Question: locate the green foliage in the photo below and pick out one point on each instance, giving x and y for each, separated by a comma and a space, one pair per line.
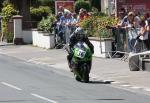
38, 13
10, 37
96, 4
82, 4
7, 12
46, 24
49, 3
1, 4
96, 25
46, 2
95, 12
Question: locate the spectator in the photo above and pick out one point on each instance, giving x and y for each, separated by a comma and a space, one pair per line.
62, 27
63, 10
142, 38
73, 22
122, 16
131, 30
120, 37
137, 21
83, 14
148, 30
56, 23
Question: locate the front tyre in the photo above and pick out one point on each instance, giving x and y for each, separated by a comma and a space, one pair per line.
86, 73
77, 78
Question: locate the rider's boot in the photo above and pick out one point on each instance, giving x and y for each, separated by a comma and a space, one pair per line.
69, 62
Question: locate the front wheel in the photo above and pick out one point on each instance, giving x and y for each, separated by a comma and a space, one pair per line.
86, 73
77, 78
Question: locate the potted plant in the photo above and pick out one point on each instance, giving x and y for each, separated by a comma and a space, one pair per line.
44, 37
99, 35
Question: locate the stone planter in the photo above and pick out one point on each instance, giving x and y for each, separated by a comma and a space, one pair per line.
101, 47
43, 39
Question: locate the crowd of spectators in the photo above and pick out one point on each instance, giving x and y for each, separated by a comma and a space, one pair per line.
134, 30
67, 22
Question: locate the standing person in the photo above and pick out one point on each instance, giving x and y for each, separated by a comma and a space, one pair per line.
56, 23
62, 27
63, 10
146, 15
142, 39
74, 21
68, 26
80, 16
147, 20
148, 30
83, 14
131, 31
120, 33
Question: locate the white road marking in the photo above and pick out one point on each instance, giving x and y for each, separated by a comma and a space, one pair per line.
2, 53
107, 80
147, 90
116, 82
11, 86
136, 87
41, 97
126, 85
37, 62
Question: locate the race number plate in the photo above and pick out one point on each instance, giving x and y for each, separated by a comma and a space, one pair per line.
81, 54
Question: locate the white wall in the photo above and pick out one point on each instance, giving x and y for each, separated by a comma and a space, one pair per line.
27, 36
42, 40
101, 49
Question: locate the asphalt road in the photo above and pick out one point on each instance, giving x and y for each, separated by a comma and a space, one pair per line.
22, 82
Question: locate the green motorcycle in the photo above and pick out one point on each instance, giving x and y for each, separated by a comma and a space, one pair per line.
81, 61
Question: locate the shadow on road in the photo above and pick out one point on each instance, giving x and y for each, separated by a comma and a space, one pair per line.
111, 99
100, 82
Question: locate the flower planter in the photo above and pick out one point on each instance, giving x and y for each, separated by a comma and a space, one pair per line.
43, 39
101, 47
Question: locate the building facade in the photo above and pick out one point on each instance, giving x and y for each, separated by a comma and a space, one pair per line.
134, 5
114, 6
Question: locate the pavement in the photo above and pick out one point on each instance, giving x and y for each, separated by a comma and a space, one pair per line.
104, 69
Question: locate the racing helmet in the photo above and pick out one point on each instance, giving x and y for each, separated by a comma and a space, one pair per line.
80, 33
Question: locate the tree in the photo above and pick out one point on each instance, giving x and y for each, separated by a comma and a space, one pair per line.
1, 2
96, 4
82, 4
50, 3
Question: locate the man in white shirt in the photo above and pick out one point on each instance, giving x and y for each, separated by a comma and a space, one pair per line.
63, 10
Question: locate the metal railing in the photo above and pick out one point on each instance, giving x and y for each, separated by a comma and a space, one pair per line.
125, 40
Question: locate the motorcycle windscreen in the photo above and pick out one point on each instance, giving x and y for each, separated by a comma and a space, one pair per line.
80, 50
